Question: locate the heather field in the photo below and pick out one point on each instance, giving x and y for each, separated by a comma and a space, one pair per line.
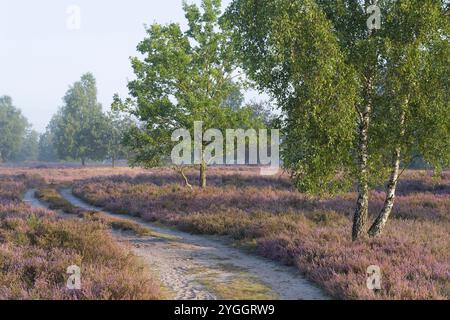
262, 216
37, 247
265, 215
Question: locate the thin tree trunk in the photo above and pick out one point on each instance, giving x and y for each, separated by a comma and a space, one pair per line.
203, 174
362, 205
383, 217
186, 181
361, 215
113, 161
83, 162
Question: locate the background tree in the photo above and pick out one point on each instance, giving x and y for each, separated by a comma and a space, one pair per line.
263, 110
184, 77
79, 124
13, 126
235, 99
47, 150
30, 147
358, 102
117, 126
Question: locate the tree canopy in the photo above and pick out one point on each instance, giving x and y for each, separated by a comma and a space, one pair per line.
47, 148
29, 150
358, 102
184, 77
116, 128
13, 129
79, 125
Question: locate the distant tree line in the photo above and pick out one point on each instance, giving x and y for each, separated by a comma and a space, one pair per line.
187, 76
358, 103
79, 131
18, 142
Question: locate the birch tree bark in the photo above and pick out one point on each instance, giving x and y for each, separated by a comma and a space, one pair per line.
379, 224
361, 215
362, 205
383, 217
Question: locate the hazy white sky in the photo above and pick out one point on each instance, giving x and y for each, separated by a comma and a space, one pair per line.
40, 56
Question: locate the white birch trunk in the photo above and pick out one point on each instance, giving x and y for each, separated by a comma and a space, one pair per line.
385, 213
383, 217
362, 205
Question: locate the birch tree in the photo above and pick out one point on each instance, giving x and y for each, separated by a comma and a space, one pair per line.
359, 101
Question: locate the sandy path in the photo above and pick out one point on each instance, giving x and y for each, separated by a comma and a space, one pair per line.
196, 267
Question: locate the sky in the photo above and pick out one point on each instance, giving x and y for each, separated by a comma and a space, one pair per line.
43, 52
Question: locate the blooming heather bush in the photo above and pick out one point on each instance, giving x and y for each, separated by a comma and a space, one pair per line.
311, 233
36, 248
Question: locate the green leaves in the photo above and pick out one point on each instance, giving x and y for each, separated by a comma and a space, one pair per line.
299, 61
115, 129
183, 77
320, 63
79, 126
13, 129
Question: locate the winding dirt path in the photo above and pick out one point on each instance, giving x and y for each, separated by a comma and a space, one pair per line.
196, 267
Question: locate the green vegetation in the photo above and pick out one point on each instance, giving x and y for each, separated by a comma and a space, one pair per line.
13, 131
117, 125
185, 76
357, 102
79, 124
